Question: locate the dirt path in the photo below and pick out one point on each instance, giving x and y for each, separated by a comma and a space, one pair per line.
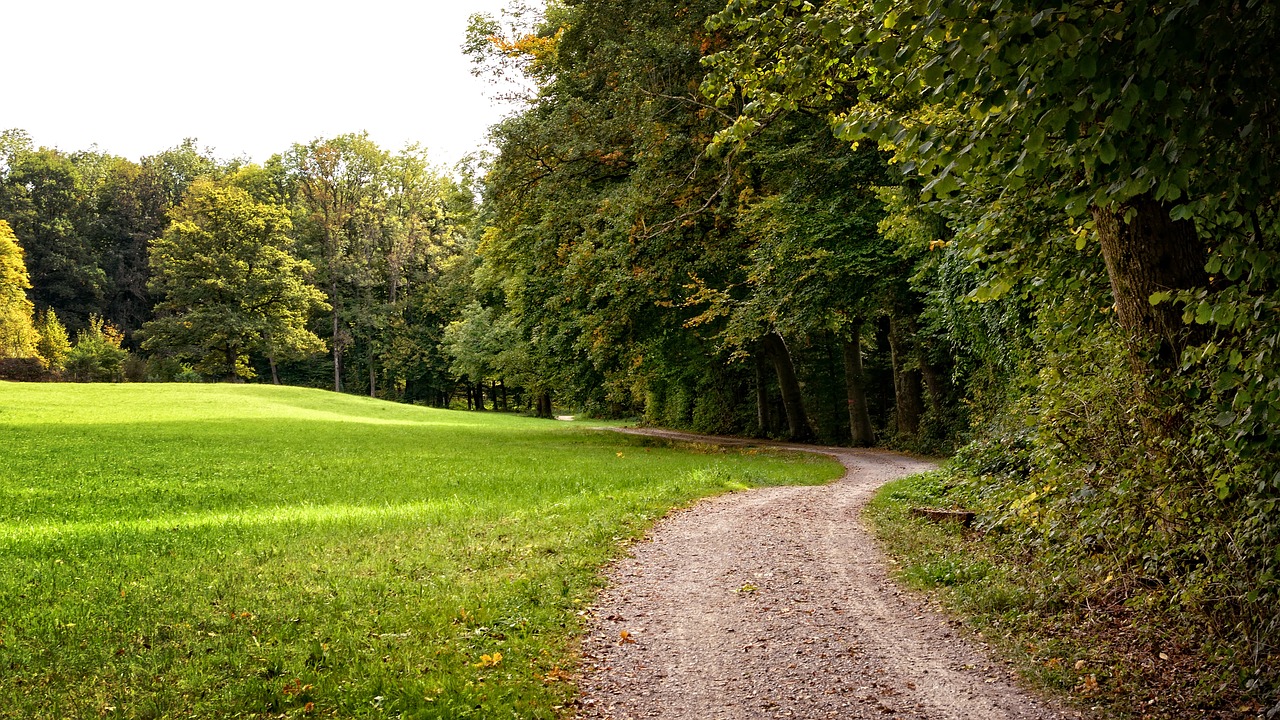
775, 603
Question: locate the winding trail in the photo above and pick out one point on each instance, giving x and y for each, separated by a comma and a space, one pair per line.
775, 603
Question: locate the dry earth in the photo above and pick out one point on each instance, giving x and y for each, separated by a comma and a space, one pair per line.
775, 603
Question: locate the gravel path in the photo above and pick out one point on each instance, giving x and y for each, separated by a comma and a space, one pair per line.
775, 603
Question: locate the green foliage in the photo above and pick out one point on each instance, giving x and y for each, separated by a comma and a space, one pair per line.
229, 283
54, 345
334, 565
482, 344
97, 355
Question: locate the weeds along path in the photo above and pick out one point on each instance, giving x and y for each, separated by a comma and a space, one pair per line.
775, 603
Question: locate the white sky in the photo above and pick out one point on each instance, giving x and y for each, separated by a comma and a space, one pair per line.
245, 77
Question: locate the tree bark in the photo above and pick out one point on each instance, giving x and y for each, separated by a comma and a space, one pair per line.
797, 421
337, 342
933, 383
275, 375
860, 430
906, 382
1151, 253
231, 364
544, 404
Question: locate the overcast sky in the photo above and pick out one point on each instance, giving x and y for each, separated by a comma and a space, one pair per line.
245, 77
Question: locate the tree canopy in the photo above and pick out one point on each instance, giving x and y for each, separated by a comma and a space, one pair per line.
229, 285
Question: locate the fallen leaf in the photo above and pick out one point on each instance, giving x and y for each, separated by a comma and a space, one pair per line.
557, 675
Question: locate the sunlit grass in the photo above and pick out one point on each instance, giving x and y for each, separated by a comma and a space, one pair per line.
250, 551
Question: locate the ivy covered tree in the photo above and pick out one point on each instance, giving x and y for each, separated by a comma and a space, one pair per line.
230, 286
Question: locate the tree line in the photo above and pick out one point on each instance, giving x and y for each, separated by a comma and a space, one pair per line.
333, 264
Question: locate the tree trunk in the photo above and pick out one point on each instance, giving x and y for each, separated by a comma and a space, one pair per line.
906, 383
762, 398
1149, 254
1152, 253
934, 384
479, 391
544, 404
860, 430
275, 375
373, 374
505, 407
337, 342
792, 401
231, 365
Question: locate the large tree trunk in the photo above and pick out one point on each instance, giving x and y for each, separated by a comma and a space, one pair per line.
797, 421
544, 404
906, 382
860, 430
933, 383
1151, 253
275, 375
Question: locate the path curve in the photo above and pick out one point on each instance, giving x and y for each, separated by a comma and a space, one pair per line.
775, 603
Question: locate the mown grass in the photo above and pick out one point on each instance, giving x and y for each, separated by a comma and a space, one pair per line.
250, 551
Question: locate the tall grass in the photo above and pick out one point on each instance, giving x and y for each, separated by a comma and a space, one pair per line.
250, 551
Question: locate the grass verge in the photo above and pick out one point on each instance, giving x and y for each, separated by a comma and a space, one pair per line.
250, 551
1104, 646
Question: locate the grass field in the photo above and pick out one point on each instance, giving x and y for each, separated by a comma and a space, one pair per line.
249, 551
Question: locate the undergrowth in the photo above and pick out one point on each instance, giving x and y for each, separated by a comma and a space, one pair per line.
1107, 642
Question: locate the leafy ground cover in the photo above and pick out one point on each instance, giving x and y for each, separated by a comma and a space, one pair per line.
1108, 645
251, 551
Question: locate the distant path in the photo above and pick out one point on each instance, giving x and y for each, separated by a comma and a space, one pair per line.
775, 603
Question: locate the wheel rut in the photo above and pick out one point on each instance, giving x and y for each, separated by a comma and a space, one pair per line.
775, 603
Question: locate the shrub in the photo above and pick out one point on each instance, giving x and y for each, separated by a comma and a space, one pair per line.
97, 355
25, 369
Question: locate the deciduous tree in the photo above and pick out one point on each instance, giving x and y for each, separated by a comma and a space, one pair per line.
229, 283
18, 336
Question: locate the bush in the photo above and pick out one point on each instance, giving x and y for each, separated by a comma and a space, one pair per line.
26, 369
97, 355
188, 375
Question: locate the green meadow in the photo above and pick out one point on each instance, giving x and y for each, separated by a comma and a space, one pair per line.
219, 551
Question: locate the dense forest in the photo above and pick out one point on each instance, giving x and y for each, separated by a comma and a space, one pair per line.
1045, 237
